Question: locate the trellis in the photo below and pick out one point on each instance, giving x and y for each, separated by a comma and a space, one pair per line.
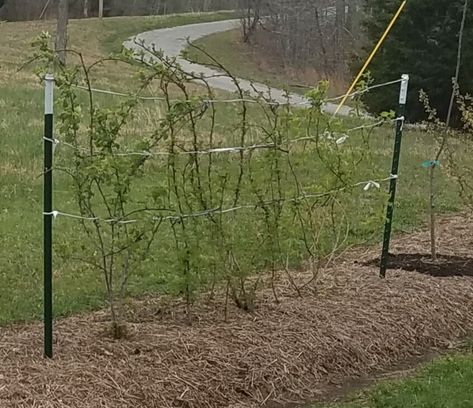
239, 186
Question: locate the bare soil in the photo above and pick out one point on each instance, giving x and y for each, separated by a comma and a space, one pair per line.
443, 266
348, 324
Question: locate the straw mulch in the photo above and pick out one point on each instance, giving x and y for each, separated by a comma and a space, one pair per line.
350, 324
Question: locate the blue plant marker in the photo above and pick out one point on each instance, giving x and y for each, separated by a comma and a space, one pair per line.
431, 163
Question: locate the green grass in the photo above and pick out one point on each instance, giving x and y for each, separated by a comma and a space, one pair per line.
445, 383
79, 287
76, 287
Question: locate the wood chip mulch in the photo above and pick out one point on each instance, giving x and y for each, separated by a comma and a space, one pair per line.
349, 324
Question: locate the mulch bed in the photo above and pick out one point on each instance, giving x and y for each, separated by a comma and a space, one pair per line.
443, 266
349, 324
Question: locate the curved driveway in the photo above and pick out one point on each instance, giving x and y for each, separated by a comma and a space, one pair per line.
172, 41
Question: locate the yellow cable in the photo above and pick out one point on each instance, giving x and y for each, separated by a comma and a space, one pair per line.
373, 53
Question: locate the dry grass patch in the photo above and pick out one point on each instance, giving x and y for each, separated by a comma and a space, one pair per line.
94, 38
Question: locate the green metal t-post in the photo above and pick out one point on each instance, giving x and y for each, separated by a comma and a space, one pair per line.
394, 175
48, 215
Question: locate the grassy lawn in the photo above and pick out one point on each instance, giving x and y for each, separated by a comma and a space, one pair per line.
79, 287
94, 38
227, 48
445, 383
21, 99
253, 63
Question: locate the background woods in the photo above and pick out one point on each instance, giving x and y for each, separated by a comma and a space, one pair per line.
15, 10
300, 33
330, 39
424, 43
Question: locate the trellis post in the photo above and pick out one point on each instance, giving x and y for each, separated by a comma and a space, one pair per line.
48, 214
394, 175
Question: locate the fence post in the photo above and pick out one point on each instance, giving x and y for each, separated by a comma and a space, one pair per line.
48, 214
394, 175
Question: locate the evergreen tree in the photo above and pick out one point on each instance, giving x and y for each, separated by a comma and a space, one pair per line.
424, 45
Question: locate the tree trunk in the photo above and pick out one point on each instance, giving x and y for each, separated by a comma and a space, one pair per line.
339, 19
352, 22
101, 9
61, 34
251, 20
322, 44
43, 11
339, 32
86, 8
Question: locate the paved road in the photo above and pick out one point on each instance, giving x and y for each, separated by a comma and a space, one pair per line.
172, 41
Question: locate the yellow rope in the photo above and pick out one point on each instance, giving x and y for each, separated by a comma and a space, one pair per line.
373, 53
